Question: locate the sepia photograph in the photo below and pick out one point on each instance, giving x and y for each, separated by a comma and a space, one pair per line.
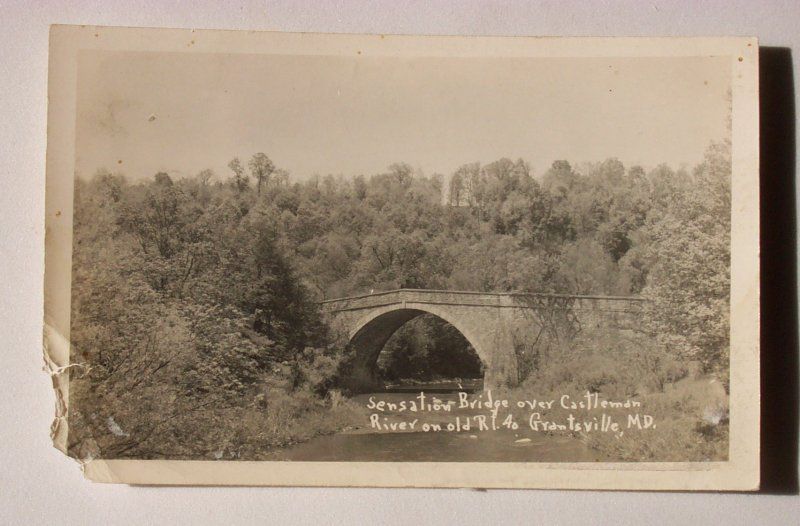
362, 251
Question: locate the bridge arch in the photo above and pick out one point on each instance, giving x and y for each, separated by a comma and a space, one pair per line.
371, 331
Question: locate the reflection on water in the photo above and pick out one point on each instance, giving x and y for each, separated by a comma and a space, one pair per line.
367, 444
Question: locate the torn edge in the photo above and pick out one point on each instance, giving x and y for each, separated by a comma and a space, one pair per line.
53, 355
56, 364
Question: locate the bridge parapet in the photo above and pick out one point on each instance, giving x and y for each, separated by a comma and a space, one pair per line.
611, 304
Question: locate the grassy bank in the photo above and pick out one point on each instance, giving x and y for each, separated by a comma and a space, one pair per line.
286, 420
689, 409
272, 415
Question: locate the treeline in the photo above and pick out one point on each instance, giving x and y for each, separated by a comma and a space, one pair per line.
197, 295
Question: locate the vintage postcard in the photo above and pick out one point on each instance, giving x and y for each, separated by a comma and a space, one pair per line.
376, 260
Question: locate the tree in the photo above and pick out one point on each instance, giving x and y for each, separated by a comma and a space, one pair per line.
470, 176
261, 167
204, 177
456, 190
240, 179
560, 179
402, 173
689, 282
587, 269
153, 216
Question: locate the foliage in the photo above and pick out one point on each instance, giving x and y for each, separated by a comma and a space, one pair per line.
689, 280
690, 409
194, 299
428, 348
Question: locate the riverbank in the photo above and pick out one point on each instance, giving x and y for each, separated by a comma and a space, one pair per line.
367, 443
687, 421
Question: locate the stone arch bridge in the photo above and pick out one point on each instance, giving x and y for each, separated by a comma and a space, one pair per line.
498, 325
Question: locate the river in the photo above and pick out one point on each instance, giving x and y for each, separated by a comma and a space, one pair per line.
366, 443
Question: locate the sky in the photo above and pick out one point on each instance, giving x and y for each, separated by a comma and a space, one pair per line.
140, 113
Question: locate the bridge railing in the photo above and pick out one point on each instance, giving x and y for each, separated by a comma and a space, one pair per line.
485, 299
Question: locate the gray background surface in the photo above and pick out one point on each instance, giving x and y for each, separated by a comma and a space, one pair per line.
39, 485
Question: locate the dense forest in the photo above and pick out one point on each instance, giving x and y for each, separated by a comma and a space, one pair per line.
195, 298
